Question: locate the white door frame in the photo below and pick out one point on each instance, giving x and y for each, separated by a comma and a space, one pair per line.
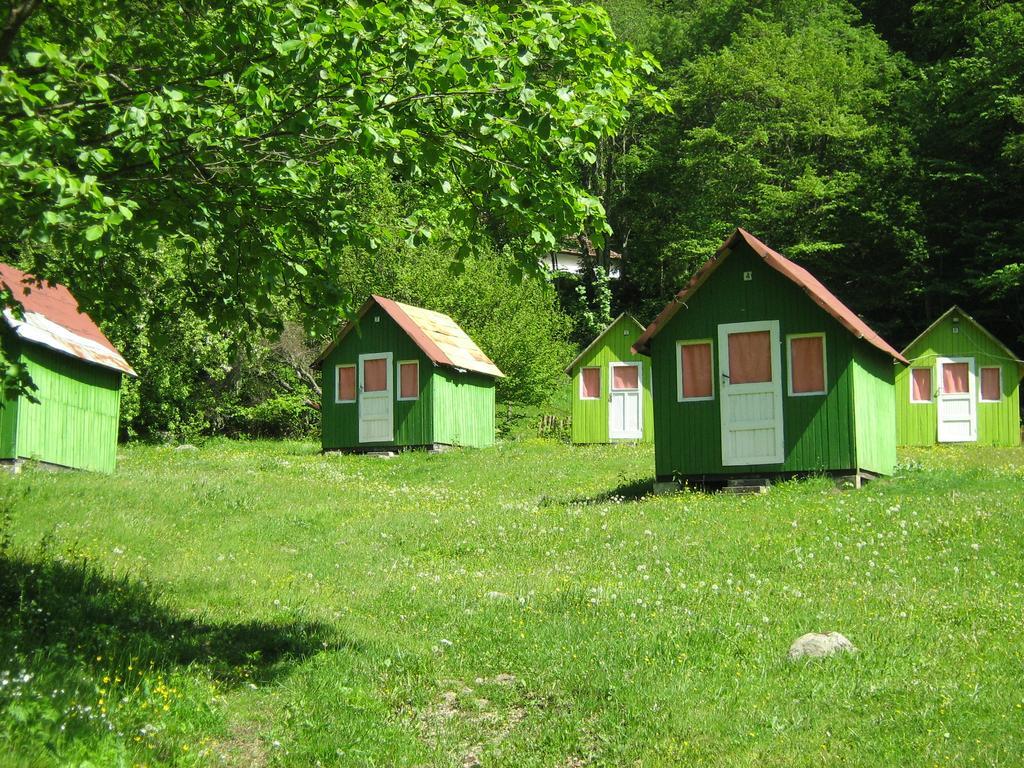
943, 400
623, 395
385, 398
727, 391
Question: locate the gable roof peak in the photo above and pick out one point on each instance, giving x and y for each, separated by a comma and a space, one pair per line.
958, 310
811, 286
601, 335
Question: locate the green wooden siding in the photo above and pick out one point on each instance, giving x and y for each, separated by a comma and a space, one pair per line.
590, 417
453, 408
9, 411
998, 423
75, 422
463, 408
818, 430
412, 418
874, 409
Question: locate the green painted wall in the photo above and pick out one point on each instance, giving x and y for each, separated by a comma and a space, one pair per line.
452, 408
818, 430
998, 423
874, 409
75, 422
413, 418
590, 417
9, 409
463, 408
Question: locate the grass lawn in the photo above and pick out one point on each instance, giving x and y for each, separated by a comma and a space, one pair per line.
260, 604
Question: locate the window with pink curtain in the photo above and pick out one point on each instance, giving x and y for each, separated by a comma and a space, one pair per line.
346, 383
750, 357
409, 380
991, 386
955, 378
590, 383
807, 361
625, 377
375, 375
920, 385
696, 370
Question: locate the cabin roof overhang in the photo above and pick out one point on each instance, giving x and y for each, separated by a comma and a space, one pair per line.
593, 345
956, 310
437, 335
811, 286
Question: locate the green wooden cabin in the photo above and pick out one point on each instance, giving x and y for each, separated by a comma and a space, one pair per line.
611, 388
399, 376
77, 373
759, 371
962, 386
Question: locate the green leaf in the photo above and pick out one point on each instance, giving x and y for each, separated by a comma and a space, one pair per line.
95, 232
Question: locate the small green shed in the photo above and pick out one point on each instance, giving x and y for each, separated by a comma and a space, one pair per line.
962, 386
611, 388
77, 373
760, 371
402, 376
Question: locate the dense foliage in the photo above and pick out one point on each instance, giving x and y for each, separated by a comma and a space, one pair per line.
880, 144
206, 174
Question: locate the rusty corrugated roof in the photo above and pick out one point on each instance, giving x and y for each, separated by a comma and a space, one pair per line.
440, 337
817, 292
52, 319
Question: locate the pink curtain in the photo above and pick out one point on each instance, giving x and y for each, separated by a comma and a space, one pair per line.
375, 375
347, 383
625, 377
807, 356
920, 385
696, 370
954, 378
409, 380
750, 357
991, 388
590, 379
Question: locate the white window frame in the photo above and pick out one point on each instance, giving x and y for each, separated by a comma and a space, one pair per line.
910, 385
639, 376
679, 370
580, 387
981, 389
789, 364
398, 378
337, 383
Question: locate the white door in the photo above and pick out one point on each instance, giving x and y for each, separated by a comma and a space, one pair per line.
625, 401
376, 399
749, 361
958, 416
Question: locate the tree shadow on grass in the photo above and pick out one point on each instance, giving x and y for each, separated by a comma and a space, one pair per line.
68, 610
627, 490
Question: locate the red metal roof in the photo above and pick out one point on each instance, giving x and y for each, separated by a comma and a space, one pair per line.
437, 335
52, 318
817, 292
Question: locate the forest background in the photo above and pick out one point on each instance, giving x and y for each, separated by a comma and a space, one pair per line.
880, 144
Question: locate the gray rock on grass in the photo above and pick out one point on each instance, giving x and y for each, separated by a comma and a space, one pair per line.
815, 645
